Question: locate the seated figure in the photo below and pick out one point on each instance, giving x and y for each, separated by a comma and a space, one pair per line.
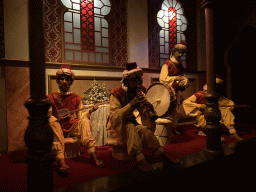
195, 106
77, 125
173, 74
122, 124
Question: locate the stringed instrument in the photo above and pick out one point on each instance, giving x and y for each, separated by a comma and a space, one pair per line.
66, 112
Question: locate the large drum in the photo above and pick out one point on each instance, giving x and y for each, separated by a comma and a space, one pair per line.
162, 98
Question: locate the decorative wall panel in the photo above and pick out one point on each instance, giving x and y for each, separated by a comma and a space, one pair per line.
118, 31
53, 31
153, 34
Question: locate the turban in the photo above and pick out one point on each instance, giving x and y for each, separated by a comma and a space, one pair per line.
132, 71
180, 46
219, 81
65, 70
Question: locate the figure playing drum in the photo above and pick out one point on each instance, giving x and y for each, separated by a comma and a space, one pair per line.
195, 106
172, 74
122, 124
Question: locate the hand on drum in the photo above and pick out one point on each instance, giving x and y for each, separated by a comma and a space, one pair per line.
182, 82
178, 78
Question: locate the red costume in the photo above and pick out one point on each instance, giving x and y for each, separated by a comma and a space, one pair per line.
70, 102
175, 70
123, 97
200, 99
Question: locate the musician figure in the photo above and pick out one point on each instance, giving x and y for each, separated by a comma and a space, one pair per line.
172, 74
195, 106
122, 124
76, 126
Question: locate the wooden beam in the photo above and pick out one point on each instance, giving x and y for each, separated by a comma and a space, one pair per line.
38, 135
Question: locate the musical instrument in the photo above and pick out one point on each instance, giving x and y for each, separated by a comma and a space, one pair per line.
162, 97
148, 107
152, 116
66, 112
234, 106
183, 83
194, 113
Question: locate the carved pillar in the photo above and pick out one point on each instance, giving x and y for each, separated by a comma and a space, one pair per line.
212, 112
39, 135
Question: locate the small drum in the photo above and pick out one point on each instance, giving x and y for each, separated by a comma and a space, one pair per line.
163, 99
163, 131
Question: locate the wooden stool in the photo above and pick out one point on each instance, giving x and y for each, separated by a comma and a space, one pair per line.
119, 152
163, 131
72, 149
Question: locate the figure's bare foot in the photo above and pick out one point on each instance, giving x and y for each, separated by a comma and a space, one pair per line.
176, 132
145, 166
223, 140
201, 133
97, 161
235, 136
169, 162
63, 167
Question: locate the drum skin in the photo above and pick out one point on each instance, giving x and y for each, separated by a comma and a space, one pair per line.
166, 97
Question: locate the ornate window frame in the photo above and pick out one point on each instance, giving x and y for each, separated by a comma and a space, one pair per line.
80, 29
173, 24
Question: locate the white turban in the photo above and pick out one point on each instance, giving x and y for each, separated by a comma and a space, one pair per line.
132, 71
65, 70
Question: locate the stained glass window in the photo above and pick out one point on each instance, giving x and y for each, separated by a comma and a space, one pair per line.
86, 37
173, 24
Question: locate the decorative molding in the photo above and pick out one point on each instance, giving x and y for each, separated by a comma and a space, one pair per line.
106, 78
14, 63
52, 77
79, 66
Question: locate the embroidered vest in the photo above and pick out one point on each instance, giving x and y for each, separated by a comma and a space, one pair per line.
70, 102
200, 97
174, 69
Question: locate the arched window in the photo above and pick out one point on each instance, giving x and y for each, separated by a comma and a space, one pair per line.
173, 24
86, 35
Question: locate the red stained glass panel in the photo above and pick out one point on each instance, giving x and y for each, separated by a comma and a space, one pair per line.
87, 25
172, 27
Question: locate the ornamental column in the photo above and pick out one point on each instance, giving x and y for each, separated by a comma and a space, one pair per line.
39, 135
212, 113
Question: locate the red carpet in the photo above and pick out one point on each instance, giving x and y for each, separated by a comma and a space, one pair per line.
14, 168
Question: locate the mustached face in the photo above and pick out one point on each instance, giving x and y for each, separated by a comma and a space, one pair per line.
64, 87
134, 84
64, 83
